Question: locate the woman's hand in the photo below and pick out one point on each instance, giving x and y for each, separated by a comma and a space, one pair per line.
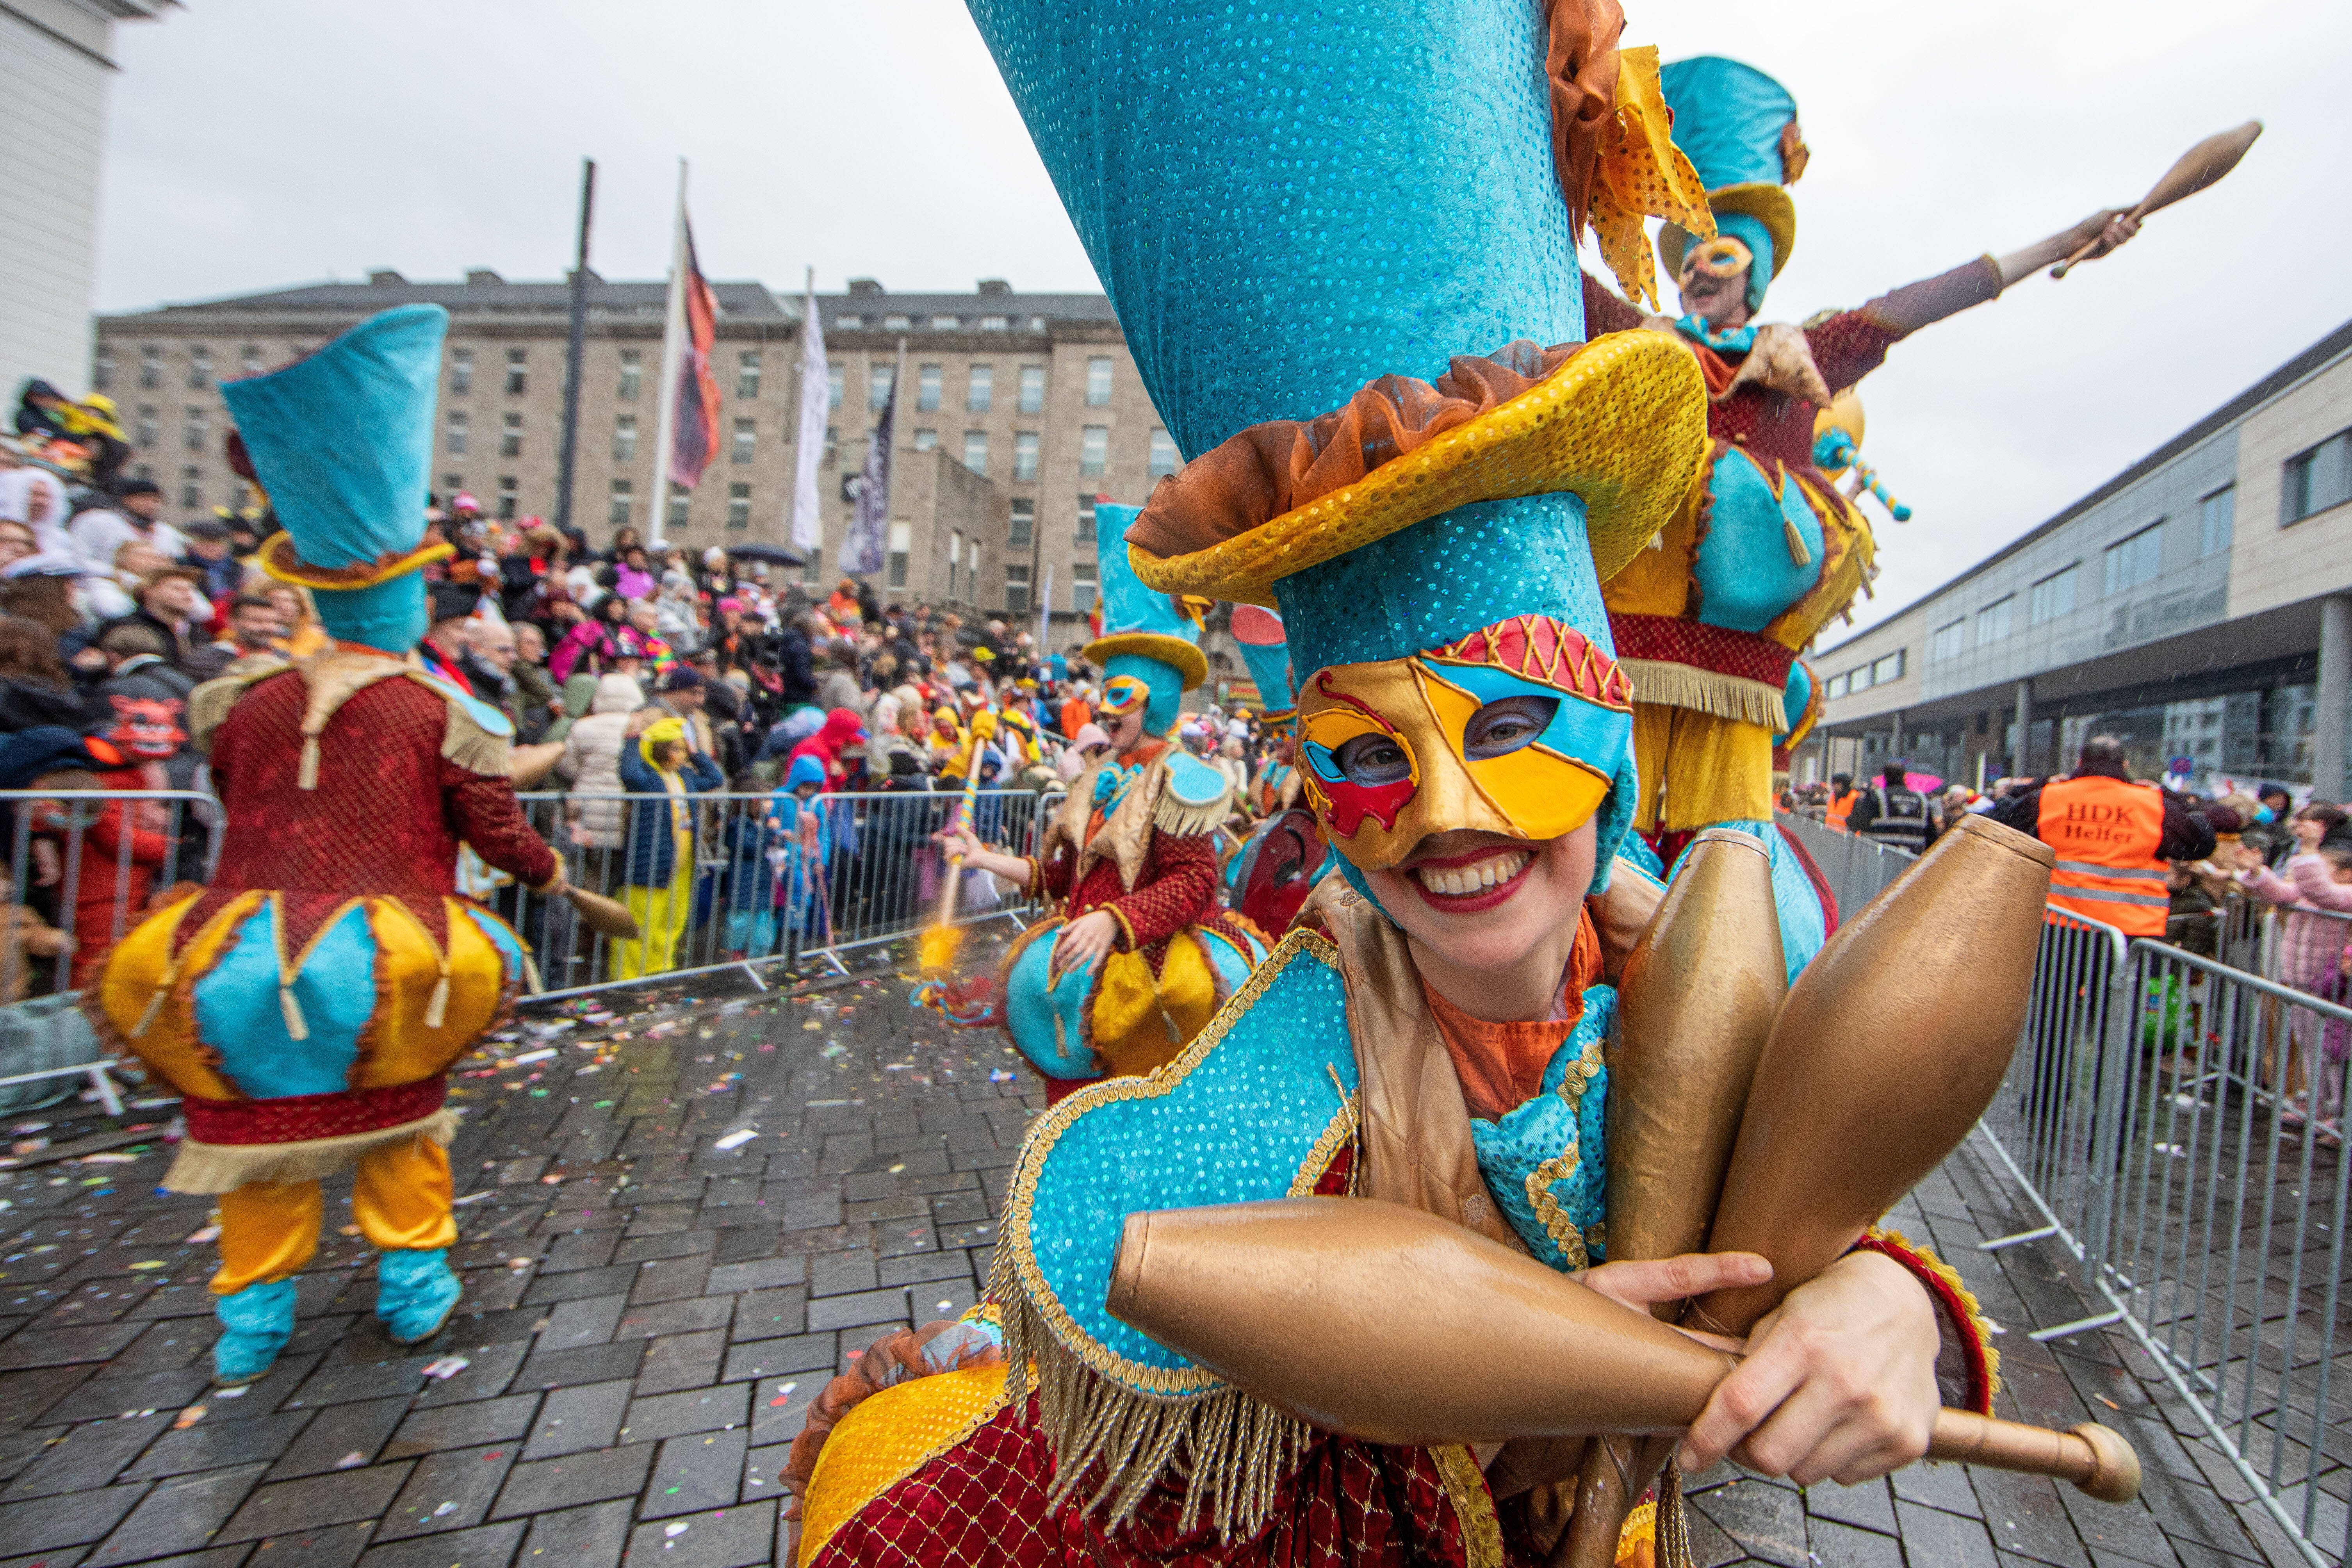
1643, 1284
1839, 1383
958, 842
1084, 944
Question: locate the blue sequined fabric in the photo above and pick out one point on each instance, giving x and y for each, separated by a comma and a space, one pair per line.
1556, 1145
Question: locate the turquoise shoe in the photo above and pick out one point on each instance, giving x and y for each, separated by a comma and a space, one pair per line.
414, 1294
256, 1323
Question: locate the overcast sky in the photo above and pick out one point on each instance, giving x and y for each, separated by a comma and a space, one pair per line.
260, 143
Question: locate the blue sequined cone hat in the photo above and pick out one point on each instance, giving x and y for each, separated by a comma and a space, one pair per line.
342, 442
1300, 207
1739, 128
1148, 651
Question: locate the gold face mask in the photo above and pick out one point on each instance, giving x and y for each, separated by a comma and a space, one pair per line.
1520, 730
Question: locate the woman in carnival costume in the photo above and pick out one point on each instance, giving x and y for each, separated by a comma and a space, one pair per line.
307, 1004
1140, 956
1436, 550
1269, 878
1765, 551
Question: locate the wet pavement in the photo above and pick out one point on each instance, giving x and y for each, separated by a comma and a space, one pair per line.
681, 1210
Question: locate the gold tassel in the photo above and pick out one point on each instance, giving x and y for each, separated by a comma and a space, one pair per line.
1798, 553
439, 1004
295, 1027
1672, 1545
306, 775
154, 1005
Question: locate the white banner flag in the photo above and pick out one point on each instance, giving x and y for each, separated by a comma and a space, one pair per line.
816, 405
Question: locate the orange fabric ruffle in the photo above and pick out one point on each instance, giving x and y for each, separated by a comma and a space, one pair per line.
1277, 467
1501, 1066
1581, 65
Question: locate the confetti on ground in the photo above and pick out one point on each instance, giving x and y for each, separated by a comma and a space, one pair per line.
351, 1461
447, 1367
736, 1139
187, 1418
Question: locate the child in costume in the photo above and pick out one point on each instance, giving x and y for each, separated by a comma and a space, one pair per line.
1436, 549
1140, 956
1765, 551
662, 872
307, 1005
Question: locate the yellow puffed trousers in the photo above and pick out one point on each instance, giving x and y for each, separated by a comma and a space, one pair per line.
400, 1198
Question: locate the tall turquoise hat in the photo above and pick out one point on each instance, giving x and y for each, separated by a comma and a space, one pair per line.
1299, 210
1739, 128
342, 443
1144, 633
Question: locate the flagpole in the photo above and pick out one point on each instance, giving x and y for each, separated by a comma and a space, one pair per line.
572, 370
673, 354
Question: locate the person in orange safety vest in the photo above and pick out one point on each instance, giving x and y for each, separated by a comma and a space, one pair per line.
2115, 839
1843, 794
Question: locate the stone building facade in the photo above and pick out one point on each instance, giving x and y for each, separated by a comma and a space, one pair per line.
1020, 410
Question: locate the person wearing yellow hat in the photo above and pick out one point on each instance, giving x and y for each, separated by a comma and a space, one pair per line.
661, 871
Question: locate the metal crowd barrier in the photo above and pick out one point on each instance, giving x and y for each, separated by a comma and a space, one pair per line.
83, 865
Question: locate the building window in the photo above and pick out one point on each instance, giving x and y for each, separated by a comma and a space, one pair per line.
624, 503
1099, 383
2216, 519
192, 434
739, 506
926, 438
928, 381
509, 490
880, 374
517, 371
1833, 687
1082, 586
1887, 668
835, 380
1025, 454
946, 323
994, 323
1994, 621
454, 443
814, 567
101, 372
2128, 563
1016, 587
1164, 460
200, 366
832, 445
1949, 641
975, 451
848, 323
897, 323
1032, 389
1086, 517
678, 504
1023, 529
980, 389
747, 373
461, 372
625, 438
146, 435
2051, 597
249, 357
191, 481
746, 436
510, 436
955, 559
2317, 479
1094, 450
150, 365
633, 373
451, 484
902, 542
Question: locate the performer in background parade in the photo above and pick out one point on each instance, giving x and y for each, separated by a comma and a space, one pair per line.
1140, 957
307, 1005
1436, 549
1765, 551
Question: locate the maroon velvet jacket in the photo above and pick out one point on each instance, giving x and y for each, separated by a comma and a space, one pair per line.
386, 818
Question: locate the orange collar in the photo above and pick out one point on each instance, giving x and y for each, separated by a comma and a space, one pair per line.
1501, 1066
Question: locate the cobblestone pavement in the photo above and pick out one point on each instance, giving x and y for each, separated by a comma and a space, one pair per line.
651, 1299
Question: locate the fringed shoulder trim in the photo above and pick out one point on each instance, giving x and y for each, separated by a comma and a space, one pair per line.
466, 742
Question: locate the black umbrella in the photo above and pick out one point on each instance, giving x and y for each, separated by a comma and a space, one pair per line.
773, 554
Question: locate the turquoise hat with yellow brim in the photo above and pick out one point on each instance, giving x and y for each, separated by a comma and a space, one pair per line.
1738, 127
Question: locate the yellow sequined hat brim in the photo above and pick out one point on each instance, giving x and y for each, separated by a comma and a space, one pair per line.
1769, 204
1622, 424
1185, 657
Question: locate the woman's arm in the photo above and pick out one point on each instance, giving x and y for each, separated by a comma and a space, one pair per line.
960, 841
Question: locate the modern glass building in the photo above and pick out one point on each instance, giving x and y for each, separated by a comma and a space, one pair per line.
2195, 604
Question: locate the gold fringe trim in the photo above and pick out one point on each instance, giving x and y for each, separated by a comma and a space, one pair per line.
305, 775
1668, 685
209, 704
465, 743
1465, 1488
214, 1168
1180, 819
1233, 1451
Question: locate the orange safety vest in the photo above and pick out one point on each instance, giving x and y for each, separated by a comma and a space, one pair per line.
1841, 805
2104, 833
